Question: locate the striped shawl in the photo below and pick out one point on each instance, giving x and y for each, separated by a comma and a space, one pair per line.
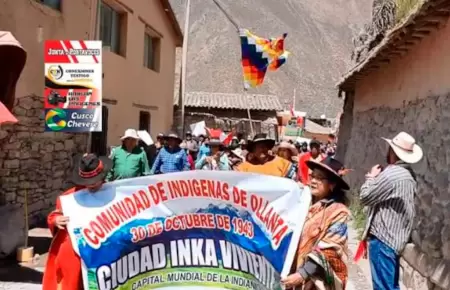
324, 241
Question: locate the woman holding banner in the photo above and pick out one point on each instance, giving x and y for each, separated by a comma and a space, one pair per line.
63, 269
322, 251
264, 163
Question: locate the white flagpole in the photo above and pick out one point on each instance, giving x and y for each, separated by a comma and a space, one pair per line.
183, 64
293, 100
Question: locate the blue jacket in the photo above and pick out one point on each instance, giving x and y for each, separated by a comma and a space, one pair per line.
170, 160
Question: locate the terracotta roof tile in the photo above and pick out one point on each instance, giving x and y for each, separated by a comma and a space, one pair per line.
425, 18
233, 101
313, 127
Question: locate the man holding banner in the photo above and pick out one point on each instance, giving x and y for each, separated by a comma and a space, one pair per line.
194, 229
63, 269
200, 229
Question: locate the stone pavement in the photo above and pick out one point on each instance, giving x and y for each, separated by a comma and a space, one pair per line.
28, 276
359, 274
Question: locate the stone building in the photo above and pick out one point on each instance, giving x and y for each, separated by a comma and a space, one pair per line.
138, 65
139, 42
403, 85
230, 111
34, 164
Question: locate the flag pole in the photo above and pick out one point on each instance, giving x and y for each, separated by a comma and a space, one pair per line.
183, 64
294, 96
293, 100
250, 119
237, 29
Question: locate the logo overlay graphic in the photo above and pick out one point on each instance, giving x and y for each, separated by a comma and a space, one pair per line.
73, 82
55, 119
56, 72
69, 120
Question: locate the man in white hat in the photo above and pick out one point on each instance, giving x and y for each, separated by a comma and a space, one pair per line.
171, 158
129, 160
389, 195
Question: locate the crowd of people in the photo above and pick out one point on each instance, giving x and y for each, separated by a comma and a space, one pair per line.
171, 153
321, 259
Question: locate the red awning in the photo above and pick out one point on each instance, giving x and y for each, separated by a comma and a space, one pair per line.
6, 116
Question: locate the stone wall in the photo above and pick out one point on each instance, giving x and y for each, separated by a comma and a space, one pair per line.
345, 122
33, 163
426, 262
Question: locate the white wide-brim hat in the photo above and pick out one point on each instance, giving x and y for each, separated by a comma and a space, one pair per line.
289, 146
405, 147
238, 153
130, 133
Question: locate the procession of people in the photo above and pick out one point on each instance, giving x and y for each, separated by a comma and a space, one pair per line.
322, 253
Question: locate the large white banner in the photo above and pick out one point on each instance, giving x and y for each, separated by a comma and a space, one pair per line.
189, 230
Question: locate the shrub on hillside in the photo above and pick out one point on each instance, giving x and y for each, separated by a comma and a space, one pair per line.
405, 7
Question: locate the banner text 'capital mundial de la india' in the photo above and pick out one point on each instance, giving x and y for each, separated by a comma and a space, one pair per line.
189, 230
73, 85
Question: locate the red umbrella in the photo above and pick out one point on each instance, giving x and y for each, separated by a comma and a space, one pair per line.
6, 116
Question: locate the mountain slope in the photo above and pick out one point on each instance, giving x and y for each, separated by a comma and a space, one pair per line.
319, 38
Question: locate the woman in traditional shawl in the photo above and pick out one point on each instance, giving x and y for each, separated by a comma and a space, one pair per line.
322, 252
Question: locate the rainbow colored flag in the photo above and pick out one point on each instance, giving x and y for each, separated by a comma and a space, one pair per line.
260, 54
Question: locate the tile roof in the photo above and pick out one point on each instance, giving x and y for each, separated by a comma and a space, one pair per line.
313, 127
425, 18
233, 101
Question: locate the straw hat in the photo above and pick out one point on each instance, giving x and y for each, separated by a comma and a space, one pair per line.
260, 138
405, 147
238, 152
333, 167
173, 136
289, 146
130, 133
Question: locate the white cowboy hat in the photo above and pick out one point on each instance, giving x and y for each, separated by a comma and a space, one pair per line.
130, 133
405, 147
238, 153
289, 146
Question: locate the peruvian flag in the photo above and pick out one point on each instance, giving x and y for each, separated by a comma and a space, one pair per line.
300, 121
219, 134
213, 133
226, 138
